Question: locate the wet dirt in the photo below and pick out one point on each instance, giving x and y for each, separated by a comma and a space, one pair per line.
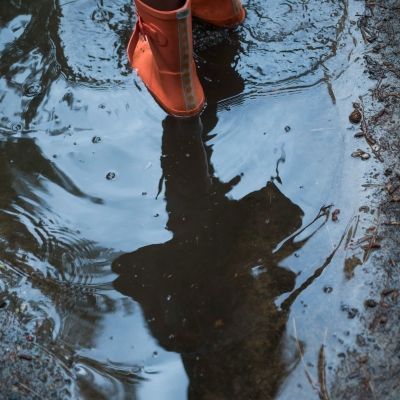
151, 258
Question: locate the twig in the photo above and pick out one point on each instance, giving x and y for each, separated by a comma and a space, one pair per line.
308, 375
392, 223
364, 127
28, 389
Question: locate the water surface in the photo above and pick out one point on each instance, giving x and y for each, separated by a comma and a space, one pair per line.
164, 259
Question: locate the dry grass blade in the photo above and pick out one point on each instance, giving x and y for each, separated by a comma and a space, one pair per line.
392, 223
323, 393
28, 389
300, 349
364, 127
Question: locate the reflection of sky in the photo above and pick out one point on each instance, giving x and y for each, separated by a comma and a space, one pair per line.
134, 157
13, 30
163, 374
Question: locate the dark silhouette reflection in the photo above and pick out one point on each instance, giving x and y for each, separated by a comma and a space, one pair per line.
209, 292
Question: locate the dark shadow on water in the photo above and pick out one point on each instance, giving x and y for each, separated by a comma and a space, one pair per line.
209, 292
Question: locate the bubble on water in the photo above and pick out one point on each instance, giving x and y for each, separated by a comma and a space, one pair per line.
111, 176
16, 127
33, 90
68, 98
155, 354
96, 139
328, 289
100, 15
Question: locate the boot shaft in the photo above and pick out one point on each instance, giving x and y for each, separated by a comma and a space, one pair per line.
169, 34
161, 52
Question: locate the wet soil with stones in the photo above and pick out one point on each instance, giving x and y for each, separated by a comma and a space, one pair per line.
371, 371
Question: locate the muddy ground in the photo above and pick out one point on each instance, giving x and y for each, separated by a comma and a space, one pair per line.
310, 303
372, 370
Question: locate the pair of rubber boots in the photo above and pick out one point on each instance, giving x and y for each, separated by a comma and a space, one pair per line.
161, 50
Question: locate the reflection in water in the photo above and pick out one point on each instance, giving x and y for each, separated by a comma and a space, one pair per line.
209, 292
27, 61
59, 265
56, 259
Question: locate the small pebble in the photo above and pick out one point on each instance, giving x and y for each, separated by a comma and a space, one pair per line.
360, 340
370, 303
388, 172
365, 156
383, 320
355, 117
361, 154
25, 357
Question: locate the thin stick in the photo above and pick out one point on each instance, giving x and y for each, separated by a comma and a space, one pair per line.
308, 375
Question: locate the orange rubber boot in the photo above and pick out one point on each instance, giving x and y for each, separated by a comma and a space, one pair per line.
161, 51
224, 13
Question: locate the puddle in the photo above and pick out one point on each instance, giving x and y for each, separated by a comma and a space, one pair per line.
162, 259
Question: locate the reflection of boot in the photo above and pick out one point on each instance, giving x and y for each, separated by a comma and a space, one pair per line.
161, 51
226, 13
